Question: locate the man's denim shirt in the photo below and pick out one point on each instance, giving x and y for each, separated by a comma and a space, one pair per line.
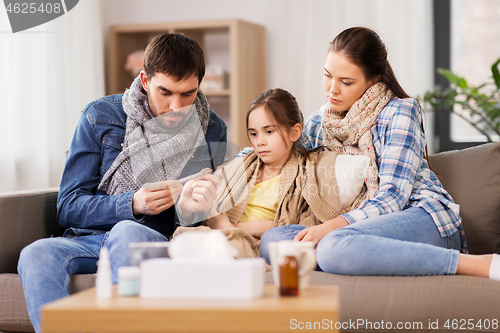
97, 141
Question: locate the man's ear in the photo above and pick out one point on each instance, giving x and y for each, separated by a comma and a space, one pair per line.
296, 132
144, 81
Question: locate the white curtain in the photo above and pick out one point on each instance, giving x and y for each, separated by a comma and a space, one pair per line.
47, 75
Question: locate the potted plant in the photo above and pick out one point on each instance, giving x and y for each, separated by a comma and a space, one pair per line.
482, 103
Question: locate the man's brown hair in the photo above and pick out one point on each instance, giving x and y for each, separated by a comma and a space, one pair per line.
174, 54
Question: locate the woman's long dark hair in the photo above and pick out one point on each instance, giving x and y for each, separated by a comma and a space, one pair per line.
366, 50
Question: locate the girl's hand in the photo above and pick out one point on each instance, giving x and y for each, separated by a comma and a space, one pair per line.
197, 195
316, 233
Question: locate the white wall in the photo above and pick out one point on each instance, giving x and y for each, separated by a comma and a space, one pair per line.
299, 31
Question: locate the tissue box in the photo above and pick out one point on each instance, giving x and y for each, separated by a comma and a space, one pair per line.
241, 279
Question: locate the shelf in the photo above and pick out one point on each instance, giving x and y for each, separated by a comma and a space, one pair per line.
224, 92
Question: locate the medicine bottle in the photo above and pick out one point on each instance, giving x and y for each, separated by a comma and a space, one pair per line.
288, 270
103, 283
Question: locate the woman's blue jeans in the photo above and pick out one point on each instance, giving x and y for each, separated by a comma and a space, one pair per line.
400, 243
45, 266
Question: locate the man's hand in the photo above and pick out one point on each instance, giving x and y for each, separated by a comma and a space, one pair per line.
153, 202
198, 195
316, 233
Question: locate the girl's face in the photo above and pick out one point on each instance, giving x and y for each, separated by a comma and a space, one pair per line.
344, 82
273, 148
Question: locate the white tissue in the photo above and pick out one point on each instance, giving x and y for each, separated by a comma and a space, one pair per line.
350, 171
202, 246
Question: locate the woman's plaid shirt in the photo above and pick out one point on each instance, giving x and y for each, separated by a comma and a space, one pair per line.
405, 179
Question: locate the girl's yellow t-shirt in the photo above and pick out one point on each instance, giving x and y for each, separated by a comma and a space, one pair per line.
263, 201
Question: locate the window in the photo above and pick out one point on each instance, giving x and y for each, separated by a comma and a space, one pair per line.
466, 41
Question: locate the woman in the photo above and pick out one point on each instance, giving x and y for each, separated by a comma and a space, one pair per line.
405, 223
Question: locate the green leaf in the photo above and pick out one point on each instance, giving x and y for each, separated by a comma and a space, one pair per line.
455, 79
462, 83
494, 113
482, 108
496, 73
449, 75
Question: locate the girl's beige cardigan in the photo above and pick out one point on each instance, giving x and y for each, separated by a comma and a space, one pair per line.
308, 194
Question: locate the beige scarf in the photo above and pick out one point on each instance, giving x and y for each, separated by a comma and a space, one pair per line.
151, 152
351, 133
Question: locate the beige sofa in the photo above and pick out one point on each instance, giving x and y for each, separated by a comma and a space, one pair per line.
472, 176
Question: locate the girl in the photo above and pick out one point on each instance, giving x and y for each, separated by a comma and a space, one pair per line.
273, 185
408, 224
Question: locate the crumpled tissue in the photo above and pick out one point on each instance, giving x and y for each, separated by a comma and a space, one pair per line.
202, 246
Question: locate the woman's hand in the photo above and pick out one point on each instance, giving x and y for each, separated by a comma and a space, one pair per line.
154, 201
316, 233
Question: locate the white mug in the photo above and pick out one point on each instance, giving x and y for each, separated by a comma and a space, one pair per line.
306, 257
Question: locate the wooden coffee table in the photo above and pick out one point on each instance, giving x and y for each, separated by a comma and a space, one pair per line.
82, 312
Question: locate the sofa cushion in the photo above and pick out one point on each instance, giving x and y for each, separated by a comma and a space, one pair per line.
25, 216
422, 302
13, 312
472, 177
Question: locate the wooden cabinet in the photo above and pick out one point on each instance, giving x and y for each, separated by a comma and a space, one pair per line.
236, 46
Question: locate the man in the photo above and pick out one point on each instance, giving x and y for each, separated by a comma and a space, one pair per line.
160, 129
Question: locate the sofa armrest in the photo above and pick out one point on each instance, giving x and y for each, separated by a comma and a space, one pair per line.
25, 216
472, 177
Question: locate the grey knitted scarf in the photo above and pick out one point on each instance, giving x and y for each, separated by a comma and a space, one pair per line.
152, 152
